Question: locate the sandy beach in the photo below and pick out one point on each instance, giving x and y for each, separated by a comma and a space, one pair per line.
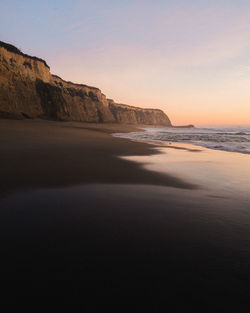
44, 154
81, 210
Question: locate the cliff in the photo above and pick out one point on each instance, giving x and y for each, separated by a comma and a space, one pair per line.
29, 90
127, 114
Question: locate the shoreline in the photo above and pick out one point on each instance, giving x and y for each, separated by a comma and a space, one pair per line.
46, 154
235, 140
82, 209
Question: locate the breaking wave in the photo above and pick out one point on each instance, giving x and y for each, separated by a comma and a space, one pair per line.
234, 139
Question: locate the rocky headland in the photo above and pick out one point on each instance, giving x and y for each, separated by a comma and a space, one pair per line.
29, 90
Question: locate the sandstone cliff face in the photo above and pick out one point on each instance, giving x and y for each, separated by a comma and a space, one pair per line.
18, 76
126, 114
29, 90
81, 102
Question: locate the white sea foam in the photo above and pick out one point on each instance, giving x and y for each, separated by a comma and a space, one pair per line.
234, 139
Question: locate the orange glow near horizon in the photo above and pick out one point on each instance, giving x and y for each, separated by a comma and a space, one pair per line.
188, 58
222, 105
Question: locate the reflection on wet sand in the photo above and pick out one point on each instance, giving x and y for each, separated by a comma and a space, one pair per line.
222, 174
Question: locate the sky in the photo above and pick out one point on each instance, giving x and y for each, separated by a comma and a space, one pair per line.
190, 58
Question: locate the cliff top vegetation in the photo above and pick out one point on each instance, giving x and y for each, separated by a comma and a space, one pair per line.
13, 49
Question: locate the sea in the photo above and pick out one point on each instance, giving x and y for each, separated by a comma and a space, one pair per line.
233, 139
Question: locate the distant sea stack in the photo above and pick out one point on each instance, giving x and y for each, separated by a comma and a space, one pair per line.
29, 90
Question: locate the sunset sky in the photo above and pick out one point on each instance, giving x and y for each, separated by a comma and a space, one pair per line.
190, 58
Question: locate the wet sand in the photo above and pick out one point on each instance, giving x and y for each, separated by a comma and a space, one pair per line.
144, 231
43, 154
218, 174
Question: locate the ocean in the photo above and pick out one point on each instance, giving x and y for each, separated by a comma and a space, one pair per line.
233, 139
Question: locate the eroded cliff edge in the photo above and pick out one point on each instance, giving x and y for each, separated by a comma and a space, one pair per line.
29, 90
